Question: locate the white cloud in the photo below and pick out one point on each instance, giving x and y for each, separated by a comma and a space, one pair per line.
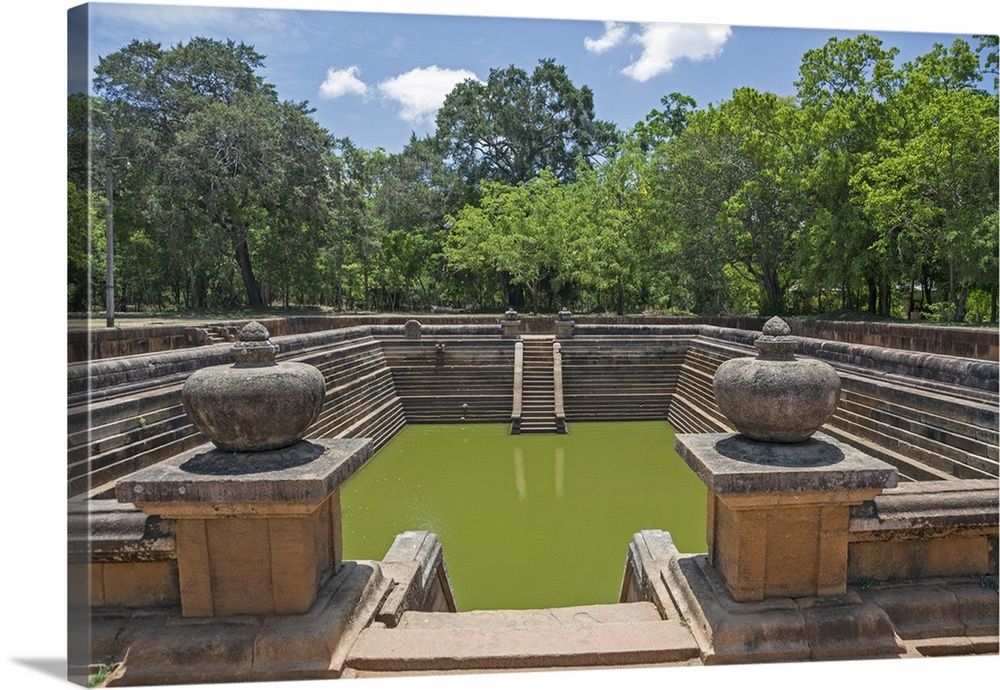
614, 33
342, 82
664, 44
421, 91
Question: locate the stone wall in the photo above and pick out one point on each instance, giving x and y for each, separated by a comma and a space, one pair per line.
931, 416
975, 343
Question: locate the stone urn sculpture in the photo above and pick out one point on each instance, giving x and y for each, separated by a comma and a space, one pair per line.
775, 397
255, 404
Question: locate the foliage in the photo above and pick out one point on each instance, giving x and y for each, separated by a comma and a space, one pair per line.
216, 156
515, 125
874, 187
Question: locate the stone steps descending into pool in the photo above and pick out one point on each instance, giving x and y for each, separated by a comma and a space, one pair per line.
538, 402
119, 434
125, 413
926, 431
581, 636
693, 409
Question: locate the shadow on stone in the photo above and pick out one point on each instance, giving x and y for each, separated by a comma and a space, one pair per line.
219, 462
809, 453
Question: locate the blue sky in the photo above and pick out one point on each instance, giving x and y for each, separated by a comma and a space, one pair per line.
377, 77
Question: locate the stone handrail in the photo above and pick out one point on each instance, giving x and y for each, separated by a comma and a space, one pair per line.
557, 386
515, 413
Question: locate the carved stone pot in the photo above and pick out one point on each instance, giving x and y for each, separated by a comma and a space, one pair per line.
256, 404
775, 397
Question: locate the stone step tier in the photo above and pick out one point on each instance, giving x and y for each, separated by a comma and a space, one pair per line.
463, 380
589, 636
926, 431
609, 378
117, 435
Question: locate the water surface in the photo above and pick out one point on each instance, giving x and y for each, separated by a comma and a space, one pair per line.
530, 521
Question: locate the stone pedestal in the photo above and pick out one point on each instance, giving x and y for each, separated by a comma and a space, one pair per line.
778, 514
256, 533
564, 324
510, 325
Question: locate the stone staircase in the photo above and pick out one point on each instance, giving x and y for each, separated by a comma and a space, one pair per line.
926, 434
693, 409
618, 635
538, 402
125, 413
928, 431
117, 433
112, 438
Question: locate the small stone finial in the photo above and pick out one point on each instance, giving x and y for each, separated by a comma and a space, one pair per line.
565, 314
254, 348
776, 341
412, 329
254, 331
510, 315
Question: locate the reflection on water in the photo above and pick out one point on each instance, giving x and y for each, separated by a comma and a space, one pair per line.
560, 470
553, 530
519, 483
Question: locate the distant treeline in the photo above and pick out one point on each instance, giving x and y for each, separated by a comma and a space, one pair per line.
873, 188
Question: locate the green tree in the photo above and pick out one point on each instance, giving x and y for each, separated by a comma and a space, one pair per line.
730, 189
931, 187
418, 193
843, 88
515, 125
518, 232
215, 153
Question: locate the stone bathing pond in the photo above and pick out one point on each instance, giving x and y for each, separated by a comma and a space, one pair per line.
471, 483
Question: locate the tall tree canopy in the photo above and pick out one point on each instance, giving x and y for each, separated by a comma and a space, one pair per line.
219, 156
515, 125
874, 186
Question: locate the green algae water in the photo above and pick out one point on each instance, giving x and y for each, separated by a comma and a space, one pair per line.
530, 521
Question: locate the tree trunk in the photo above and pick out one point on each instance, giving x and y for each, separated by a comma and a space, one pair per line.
951, 284
773, 292
961, 300
239, 237
872, 295
884, 298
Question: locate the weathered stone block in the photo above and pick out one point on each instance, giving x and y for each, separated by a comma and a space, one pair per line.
778, 514
255, 533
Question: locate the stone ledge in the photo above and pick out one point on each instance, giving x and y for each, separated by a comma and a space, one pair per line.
927, 617
779, 628
106, 531
305, 473
939, 607
415, 564
733, 464
930, 506
510, 644
167, 649
772, 630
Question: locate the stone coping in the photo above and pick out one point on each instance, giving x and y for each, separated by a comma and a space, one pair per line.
924, 506
306, 472
733, 464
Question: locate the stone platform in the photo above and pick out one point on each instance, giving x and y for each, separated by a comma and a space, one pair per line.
256, 533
